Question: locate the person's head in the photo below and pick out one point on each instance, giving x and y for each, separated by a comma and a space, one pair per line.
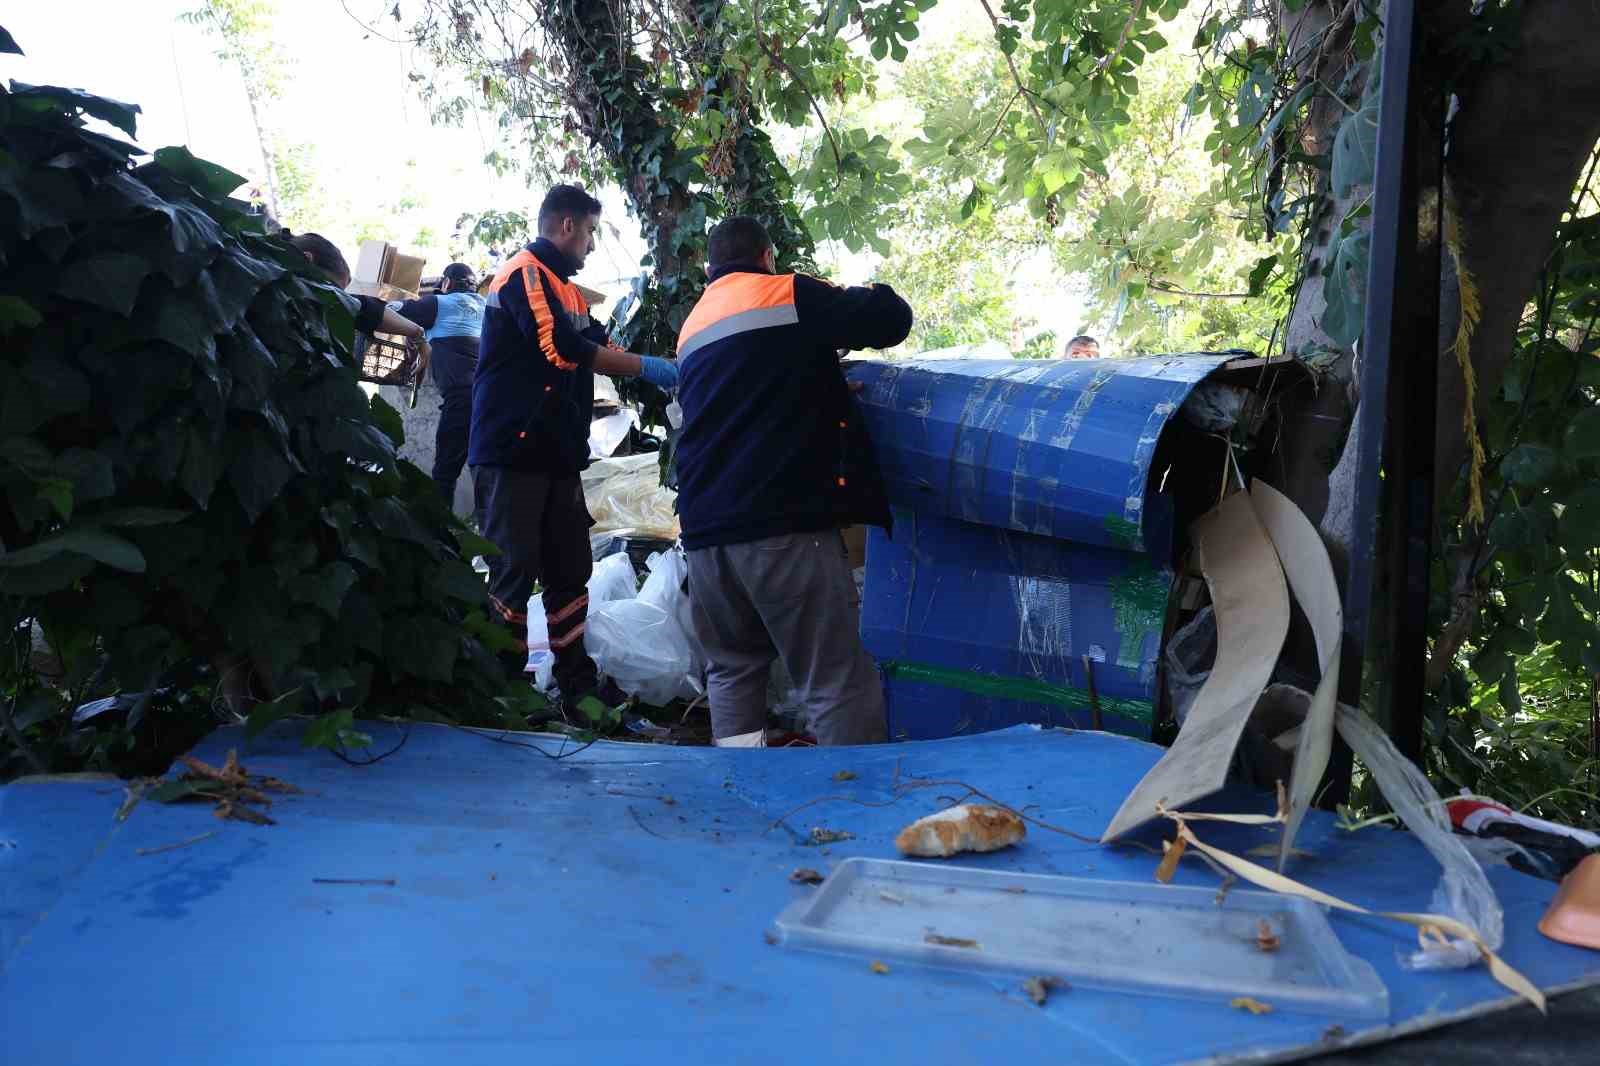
458, 277
1083, 346
321, 253
567, 219
740, 241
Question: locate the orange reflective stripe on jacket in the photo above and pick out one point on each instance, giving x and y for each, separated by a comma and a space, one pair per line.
737, 303
533, 272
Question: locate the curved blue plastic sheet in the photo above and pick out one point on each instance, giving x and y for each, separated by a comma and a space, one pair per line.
550, 912
1057, 448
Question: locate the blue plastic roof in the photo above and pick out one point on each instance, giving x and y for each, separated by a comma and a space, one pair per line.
610, 908
1059, 448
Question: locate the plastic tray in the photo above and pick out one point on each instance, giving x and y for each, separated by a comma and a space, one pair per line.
1132, 936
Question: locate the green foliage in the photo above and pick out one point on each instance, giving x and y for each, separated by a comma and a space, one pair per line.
198, 496
1514, 718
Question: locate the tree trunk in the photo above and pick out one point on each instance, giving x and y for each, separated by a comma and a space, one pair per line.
269, 163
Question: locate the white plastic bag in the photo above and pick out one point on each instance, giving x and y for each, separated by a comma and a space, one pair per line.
541, 660
641, 643
613, 579
667, 588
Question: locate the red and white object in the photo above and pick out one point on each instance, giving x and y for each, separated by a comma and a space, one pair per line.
1476, 815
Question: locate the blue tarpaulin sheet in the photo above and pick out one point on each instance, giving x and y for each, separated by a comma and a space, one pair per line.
610, 907
1029, 548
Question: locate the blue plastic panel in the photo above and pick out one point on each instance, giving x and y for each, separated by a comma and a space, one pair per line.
1056, 448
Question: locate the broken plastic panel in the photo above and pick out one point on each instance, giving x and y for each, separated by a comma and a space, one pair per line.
1132, 936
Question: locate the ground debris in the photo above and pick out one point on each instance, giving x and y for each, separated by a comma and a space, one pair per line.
1254, 1006
1266, 939
844, 775
964, 827
879, 968
805, 875
230, 788
177, 845
770, 937
1039, 988
950, 941
1333, 1032
823, 835
387, 882
1169, 861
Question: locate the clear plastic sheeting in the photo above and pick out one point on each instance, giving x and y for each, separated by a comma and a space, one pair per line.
1190, 654
613, 578
1464, 892
640, 641
626, 493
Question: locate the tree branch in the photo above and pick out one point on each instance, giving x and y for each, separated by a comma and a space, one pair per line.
1044, 131
761, 41
1127, 28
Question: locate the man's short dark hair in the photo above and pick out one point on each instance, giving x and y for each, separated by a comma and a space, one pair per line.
1083, 338
566, 201
740, 239
322, 253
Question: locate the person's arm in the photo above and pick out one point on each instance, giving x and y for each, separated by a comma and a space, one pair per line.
424, 312
400, 325
862, 316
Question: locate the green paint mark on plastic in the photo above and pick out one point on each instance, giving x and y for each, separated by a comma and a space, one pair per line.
1123, 533
1024, 689
1139, 605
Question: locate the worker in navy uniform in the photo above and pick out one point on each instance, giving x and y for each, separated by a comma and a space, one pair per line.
772, 461
532, 401
453, 319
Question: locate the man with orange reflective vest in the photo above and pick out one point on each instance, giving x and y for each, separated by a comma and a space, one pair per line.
532, 400
772, 461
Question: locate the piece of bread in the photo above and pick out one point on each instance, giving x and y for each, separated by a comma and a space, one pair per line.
969, 827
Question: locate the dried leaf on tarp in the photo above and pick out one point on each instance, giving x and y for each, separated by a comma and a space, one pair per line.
822, 835
1254, 1006
1266, 939
230, 787
844, 775
879, 968
1039, 988
805, 875
950, 941
1169, 862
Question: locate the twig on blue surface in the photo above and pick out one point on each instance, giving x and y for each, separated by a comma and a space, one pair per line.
386, 881
175, 846
640, 822
339, 754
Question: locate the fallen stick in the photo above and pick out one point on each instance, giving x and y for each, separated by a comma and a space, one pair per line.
176, 846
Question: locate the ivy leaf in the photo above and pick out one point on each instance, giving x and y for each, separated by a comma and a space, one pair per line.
89, 541
134, 517
424, 647
388, 420
324, 589
1531, 465
15, 312
107, 279
1582, 438
123, 116
1260, 274
211, 179
258, 474
335, 730
264, 714
1579, 527
1355, 148
1346, 302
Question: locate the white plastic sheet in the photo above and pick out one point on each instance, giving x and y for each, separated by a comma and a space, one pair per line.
626, 493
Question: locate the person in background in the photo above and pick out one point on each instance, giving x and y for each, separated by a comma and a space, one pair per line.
772, 461
453, 319
1083, 346
532, 401
372, 314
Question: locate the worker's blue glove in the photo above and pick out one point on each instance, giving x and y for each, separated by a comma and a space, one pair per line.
662, 373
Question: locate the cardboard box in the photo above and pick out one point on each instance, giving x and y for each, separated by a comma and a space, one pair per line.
372, 261
405, 272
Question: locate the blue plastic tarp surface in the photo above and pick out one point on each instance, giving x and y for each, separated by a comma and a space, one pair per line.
610, 908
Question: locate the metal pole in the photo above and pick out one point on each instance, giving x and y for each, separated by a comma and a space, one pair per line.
1399, 385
